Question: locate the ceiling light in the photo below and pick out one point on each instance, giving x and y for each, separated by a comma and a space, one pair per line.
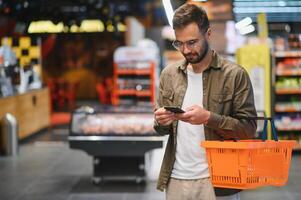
247, 29
168, 10
243, 23
281, 3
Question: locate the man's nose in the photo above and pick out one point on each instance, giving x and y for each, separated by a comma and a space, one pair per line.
185, 49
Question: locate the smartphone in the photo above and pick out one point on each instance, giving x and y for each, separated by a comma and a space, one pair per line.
174, 109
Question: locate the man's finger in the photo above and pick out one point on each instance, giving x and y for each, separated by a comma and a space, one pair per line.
164, 116
162, 111
185, 115
166, 122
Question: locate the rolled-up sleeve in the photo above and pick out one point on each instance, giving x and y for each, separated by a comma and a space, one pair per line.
161, 130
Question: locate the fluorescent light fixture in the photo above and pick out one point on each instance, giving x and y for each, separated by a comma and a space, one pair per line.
266, 3
45, 27
267, 9
74, 29
92, 26
247, 29
121, 27
281, 3
110, 27
168, 10
243, 23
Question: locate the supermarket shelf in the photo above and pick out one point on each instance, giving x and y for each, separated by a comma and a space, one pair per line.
134, 92
281, 54
289, 73
289, 129
288, 109
144, 73
133, 71
286, 64
288, 91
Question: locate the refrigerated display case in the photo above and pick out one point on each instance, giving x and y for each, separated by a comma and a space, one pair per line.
117, 138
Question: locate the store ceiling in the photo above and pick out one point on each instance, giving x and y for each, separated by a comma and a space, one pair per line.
70, 11
17, 15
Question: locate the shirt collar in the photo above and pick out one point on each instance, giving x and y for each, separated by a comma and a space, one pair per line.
214, 62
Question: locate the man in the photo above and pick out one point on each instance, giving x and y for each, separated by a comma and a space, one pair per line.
215, 93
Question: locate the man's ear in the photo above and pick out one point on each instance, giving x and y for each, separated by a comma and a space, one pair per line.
208, 34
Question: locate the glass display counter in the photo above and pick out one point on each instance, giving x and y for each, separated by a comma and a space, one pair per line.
117, 138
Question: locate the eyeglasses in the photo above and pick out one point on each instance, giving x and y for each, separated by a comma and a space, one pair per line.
190, 44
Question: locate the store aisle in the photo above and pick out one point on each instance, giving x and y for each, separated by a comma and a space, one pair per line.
50, 170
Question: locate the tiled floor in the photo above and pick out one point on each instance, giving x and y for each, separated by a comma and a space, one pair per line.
52, 171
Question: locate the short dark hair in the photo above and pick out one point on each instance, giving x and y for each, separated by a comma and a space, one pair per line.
189, 13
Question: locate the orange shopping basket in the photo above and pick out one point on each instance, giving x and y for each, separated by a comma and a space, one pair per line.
248, 164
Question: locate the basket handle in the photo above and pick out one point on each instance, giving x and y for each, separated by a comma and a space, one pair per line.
265, 125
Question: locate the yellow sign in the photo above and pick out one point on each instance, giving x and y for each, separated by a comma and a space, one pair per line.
262, 25
256, 60
27, 50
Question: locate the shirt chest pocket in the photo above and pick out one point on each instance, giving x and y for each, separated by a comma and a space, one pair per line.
168, 97
221, 104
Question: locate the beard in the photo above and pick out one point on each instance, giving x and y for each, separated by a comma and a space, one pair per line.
197, 57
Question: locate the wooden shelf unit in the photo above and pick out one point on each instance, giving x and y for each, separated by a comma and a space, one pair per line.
31, 110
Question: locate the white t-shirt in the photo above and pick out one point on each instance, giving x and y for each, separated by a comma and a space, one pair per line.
191, 160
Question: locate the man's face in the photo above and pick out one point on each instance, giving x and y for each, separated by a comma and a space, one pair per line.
192, 43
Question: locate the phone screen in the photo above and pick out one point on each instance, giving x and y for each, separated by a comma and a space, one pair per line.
174, 109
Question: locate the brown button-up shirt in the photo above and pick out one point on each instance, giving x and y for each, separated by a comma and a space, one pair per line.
228, 95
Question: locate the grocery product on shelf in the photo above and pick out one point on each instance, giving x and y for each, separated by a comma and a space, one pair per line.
289, 66
291, 42
294, 41
286, 123
288, 107
288, 83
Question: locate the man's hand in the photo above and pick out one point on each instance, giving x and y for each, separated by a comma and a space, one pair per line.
194, 115
164, 117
